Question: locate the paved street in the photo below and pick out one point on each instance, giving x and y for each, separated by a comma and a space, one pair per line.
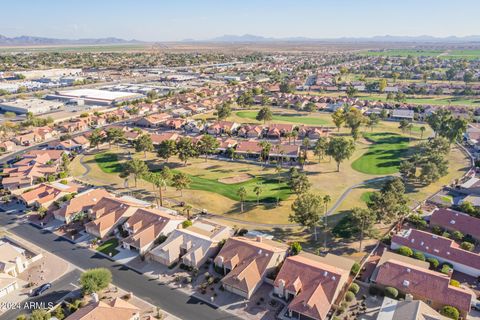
171, 300
60, 288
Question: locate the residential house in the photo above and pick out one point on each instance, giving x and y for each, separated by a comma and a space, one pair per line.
153, 120
45, 194
175, 124
313, 133
20, 177
247, 262
80, 204
7, 146
145, 226
110, 212
191, 246
74, 125
222, 127
390, 255
117, 309
452, 220
12, 259
278, 130
402, 114
409, 309
8, 284
441, 248
159, 138
423, 284
250, 131
312, 284
248, 149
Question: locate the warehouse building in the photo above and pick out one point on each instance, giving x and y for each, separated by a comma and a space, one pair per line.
94, 96
35, 106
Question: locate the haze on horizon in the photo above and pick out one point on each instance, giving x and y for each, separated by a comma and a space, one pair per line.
150, 20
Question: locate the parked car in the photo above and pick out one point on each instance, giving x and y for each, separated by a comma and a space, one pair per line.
40, 290
476, 305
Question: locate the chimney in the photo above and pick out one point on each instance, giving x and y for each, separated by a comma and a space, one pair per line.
95, 297
259, 239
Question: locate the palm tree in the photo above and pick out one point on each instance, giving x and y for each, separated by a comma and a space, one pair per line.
158, 182
135, 167
294, 136
187, 209
326, 200
257, 190
422, 131
278, 171
242, 194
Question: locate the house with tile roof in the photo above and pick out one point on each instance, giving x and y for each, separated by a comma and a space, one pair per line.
408, 309
221, 127
423, 284
80, 204
191, 246
153, 121
46, 193
145, 226
312, 284
389, 255
110, 212
18, 178
277, 130
452, 220
117, 309
441, 248
8, 284
246, 262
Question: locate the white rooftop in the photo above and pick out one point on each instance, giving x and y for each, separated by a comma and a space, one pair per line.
96, 94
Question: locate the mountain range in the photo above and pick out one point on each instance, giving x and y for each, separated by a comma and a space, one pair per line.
38, 41
385, 38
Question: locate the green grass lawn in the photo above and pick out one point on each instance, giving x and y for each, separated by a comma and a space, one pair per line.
271, 188
108, 162
109, 247
434, 100
365, 197
384, 154
287, 117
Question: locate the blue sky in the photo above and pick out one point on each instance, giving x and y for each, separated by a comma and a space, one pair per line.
171, 20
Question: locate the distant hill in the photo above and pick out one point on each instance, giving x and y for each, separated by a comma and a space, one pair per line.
38, 41
385, 38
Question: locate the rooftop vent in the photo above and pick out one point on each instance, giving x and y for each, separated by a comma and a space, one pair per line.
406, 283
452, 221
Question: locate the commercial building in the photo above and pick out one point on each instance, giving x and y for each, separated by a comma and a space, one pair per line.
94, 96
35, 106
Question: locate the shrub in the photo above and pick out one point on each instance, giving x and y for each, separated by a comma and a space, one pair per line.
391, 292
457, 235
186, 224
437, 230
455, 283
95, 280
433, 263
417, 221
295, 248
419, 255
446, 234
355, 288
387, 240
467, 246
355, 268
446, 269
405, 251
451, 312
349, 296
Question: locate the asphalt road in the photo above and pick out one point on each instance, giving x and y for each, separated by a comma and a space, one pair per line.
60, 288
171, 300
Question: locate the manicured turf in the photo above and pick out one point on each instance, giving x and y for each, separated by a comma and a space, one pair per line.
109, 247
108, 162
435, 100
271, 188
287, 117
452, 54
365, 197
384, 154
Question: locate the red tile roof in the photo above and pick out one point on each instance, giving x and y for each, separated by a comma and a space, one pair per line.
434, 245
424, 283
456, 220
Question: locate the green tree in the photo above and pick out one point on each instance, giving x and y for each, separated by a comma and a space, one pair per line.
95, 280
264, 114
266, 148
390, 203
135, 167
422, 132
338, 118
310, 107
224, 111
242, 194
320, 147
354, 119
96, 138
115, 136
295, 248
207, 145
307, 210
258, 190
186, 149
159, 182
340, 149
382, 84
181, 181
167, 149
351, 91
299, 183
144, 143
364, 219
